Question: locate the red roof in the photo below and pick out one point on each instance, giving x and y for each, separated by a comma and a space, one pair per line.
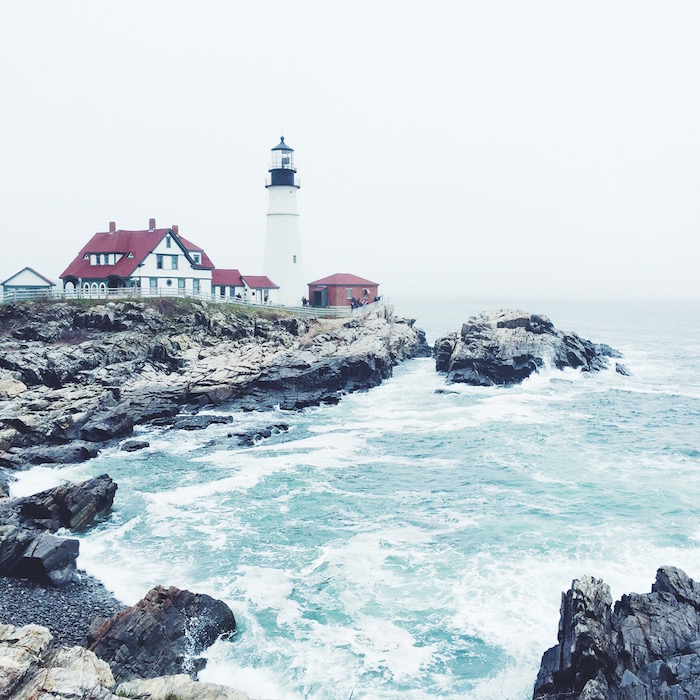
137, 244
226, 278
259, 282
343, 279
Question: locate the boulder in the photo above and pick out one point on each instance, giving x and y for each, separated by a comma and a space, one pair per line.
74, 506
162, 634
69, 453
200, 421
646, 648
28, 550
134, 445
107, 425
506, 347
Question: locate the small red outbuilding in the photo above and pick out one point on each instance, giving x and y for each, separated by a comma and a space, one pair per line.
341, 289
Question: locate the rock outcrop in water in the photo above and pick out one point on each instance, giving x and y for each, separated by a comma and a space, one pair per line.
505, 347
28, 547
646, 648
163, 634
74, 375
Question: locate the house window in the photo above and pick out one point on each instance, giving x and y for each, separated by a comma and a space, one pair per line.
159, 262
195, 286
173, 265
232, 292
195, 257
169, 283
167, 241
348, 293
181, 284
222, 291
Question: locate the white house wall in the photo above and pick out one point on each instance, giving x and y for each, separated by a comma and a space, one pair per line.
149, 269
26, 278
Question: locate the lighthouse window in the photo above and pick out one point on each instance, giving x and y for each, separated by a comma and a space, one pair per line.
294, 258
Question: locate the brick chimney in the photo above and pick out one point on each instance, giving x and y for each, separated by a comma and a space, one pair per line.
176, 229
151, 224
112, 227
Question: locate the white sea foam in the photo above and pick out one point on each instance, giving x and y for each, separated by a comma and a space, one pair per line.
41, 478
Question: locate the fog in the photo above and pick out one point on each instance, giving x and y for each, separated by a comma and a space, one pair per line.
533, 149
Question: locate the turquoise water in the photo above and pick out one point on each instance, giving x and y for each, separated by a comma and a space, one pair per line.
411, 544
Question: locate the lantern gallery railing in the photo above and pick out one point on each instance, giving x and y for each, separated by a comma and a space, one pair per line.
14, 295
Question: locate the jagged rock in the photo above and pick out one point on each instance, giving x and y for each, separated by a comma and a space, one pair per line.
162, 634
622, 369
27, 550
506, 347
180, 686
74, 506
647, 648
135, 445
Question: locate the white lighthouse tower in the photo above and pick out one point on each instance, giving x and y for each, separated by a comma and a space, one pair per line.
282, 263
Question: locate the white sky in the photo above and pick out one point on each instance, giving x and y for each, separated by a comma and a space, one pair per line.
444, 148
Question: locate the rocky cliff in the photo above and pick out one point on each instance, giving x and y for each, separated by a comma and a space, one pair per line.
645, 648
505, 347
73, 375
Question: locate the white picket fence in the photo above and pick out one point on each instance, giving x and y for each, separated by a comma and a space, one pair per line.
136, 293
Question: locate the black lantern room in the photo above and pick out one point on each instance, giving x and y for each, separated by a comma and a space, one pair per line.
282, 169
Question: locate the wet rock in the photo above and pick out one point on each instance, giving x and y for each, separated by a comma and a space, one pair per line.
622, 369
251, 437
108, 425
70, 453
200, 421
134, 445
646, 648
28, 550
506, 347
162, 634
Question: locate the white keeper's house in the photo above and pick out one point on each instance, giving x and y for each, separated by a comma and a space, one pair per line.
157, 260
26, 283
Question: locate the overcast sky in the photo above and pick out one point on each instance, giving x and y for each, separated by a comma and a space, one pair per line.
522, 148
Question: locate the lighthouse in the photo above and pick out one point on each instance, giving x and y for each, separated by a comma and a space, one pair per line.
282, 263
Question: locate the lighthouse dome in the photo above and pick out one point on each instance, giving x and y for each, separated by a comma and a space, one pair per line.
282, 146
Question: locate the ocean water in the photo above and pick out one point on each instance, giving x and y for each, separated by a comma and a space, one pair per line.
413, 544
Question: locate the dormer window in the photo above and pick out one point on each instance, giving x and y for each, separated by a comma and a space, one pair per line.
195, 257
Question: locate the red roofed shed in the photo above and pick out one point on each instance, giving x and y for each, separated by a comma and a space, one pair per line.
341, 289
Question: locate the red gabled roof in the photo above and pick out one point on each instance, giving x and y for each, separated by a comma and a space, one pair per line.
193, 248
259, 282
137, 243
226, 278
344, 279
